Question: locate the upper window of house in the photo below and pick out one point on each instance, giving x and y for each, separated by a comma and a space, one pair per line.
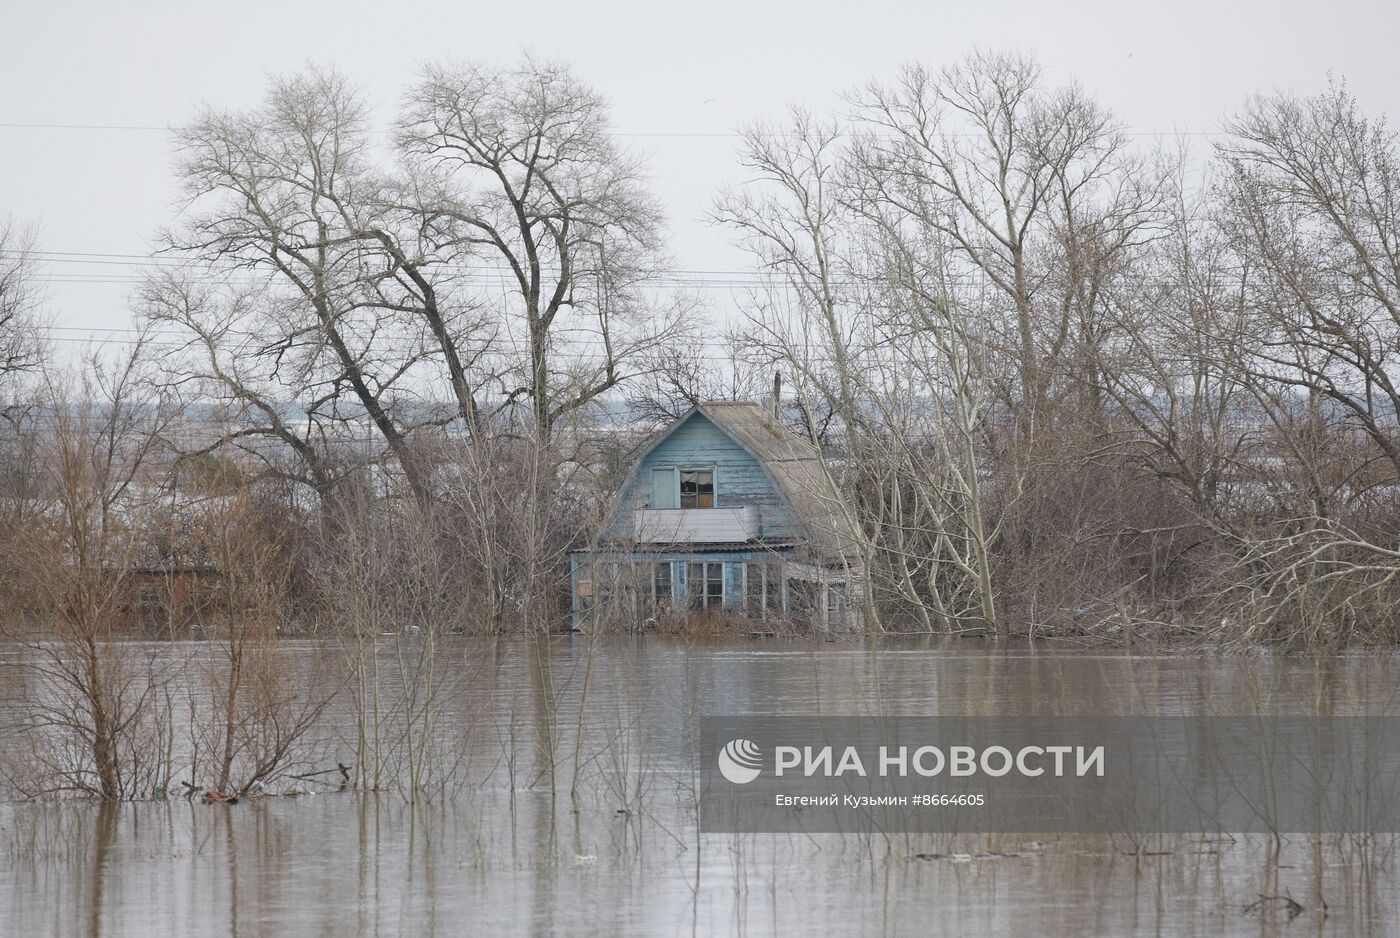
663, 488
697, 488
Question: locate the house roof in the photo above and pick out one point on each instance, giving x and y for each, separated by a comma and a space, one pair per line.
796, 468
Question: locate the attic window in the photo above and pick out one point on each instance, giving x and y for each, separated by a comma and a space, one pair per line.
697, 488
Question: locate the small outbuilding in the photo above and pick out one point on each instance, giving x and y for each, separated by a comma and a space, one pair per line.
725, 511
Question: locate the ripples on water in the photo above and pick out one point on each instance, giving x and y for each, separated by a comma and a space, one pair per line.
495, 852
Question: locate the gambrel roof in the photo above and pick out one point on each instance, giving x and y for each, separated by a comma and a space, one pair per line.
795, 468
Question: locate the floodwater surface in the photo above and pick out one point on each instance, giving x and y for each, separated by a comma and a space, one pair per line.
560, 800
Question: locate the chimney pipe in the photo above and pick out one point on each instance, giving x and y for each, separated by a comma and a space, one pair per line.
777, 393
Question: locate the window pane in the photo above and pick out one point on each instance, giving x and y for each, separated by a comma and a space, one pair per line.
773, 589
604, 582
697, 488
661, 583
836, 605
804, 601
663, 488
714, 585
753, 576
695, 585
705, 489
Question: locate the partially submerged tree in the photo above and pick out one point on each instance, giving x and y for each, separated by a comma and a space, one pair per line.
100, 721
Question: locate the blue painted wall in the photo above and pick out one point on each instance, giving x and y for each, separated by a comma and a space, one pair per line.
738, 565
739, 479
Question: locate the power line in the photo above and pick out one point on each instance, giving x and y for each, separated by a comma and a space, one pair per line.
562, 354
170, 261
495, 274
17, 125
681, 134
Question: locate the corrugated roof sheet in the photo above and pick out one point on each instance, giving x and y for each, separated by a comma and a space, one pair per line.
796, 468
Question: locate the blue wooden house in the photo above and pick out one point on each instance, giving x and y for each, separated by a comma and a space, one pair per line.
725, 511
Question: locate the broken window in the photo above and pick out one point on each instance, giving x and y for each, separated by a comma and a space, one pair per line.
697, 488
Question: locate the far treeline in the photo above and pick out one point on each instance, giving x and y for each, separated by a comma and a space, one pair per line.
1071, 380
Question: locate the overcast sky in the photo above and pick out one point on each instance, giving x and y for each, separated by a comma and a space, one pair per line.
671, 70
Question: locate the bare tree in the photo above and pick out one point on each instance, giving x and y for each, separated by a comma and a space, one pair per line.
791, 218
531, 184
1312, 206
1030, 189
97, 724
289, 195
812, 315
22, 349
257, 712
262, 413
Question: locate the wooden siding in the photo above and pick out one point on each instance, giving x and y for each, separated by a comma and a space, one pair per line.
740, 481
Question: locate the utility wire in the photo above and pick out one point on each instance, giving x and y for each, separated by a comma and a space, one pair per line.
683, 134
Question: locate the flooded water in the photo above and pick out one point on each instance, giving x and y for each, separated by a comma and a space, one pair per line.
563, 804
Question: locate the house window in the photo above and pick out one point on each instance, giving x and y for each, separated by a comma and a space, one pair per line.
714, 586
605, 582
697, 488
661, 585
663, 488
704, 585
836, 605
804, 601
753, 587
773, 589
764, 589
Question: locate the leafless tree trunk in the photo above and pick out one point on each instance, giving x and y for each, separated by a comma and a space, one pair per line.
529, 179
288, 197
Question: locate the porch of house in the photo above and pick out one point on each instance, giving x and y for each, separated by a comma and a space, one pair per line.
629, 587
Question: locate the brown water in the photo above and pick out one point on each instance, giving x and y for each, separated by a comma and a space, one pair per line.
501, 850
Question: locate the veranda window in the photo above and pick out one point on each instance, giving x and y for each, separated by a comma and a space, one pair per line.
764, 580
836, 605
705, 585
661, 585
